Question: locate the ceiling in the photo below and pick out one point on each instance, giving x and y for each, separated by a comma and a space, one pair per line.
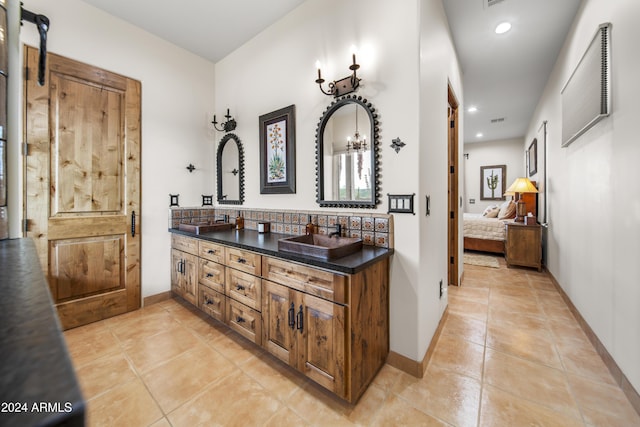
503, 75
209, 28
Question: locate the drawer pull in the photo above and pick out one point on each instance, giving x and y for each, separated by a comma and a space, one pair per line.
211, 252
207, 301
209, 275
300, 320
240, 287
292, 316
240, 319
242, 260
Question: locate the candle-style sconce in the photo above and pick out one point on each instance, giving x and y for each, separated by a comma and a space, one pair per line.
343, 86
227, 126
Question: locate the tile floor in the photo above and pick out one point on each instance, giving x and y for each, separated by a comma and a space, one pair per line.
510, 354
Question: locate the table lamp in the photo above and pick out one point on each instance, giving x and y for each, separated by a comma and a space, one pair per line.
519, 186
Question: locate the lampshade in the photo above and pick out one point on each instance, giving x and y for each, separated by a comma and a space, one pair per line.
521, 185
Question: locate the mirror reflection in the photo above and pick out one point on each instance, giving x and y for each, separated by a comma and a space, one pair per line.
347, 147
230, 170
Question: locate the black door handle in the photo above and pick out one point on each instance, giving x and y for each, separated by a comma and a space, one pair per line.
300, 320
133, 223
292, 316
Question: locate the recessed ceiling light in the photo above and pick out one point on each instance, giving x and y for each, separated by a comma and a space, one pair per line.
479, 135
503, 28
472, 109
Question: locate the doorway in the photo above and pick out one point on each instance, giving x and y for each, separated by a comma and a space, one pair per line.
82, 186
452, 138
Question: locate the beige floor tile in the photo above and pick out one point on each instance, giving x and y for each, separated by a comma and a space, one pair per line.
153, 350
87, 344
315, 404
584, 360
515, 305
161, 423
468, 328
132, 331
528, 380
603, 404
236, 400
102, 374
468, 308
273, 375
398, 412
367, 407
480, 295
499, 408
459, 355
127, 405
531, 324
523, 344
387, 377
174, 382
285, 417
446, 395
234, 347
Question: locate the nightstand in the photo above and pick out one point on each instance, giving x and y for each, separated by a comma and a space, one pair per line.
523, 245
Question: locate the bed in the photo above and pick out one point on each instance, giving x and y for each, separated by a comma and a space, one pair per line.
483, 234
488, 234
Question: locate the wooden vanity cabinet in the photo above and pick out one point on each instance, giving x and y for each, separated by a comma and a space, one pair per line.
332, 327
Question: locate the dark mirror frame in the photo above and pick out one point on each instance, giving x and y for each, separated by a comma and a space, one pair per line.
375, 155
225, 139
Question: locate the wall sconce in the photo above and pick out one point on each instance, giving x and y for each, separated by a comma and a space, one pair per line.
227, 126
342, 86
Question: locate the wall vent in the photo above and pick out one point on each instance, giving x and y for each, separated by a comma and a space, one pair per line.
586, 96
498, 120
489, 3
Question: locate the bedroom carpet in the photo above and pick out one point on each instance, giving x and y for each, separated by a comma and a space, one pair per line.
481, 260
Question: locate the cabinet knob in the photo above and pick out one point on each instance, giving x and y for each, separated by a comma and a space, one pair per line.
242, 260
209, 275
211, 251
240, 319
240, 287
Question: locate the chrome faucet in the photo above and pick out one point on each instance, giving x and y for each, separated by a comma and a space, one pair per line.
338, 232
225, 218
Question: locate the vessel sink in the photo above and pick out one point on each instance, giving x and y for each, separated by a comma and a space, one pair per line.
205, 227
320, 246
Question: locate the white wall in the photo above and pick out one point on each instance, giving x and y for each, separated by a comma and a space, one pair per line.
438, 68
177, 101
594, 205
276, 69
507, 152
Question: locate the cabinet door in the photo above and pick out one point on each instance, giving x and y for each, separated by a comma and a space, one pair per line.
320, 325
176, 271
278, 312
190, 279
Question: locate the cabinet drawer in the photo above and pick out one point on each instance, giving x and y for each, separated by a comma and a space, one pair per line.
212, 303
244, 288
184, 244
243, 260
211, 274
244, 320
325, 284
211, 251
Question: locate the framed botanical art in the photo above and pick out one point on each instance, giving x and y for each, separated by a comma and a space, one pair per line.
492, 182
278, 151
532, 157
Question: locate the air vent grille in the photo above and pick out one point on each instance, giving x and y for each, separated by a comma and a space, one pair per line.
498, 120
489, 3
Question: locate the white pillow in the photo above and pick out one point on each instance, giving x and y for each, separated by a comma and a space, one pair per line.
507, 210
491, 212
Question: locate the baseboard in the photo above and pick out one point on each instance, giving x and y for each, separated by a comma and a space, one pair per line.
413, 367
154, 299
608, 360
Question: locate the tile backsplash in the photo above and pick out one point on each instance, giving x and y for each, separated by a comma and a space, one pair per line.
373, 229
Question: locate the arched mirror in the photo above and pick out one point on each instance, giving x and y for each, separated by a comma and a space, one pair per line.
230, 168
347, 154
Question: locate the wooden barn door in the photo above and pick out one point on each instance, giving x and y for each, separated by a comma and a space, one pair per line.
82, 186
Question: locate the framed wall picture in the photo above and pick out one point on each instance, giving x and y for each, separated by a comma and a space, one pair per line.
278, 151
492, 182
532, 156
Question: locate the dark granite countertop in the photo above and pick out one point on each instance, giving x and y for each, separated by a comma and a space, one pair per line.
267, 243
38, 386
